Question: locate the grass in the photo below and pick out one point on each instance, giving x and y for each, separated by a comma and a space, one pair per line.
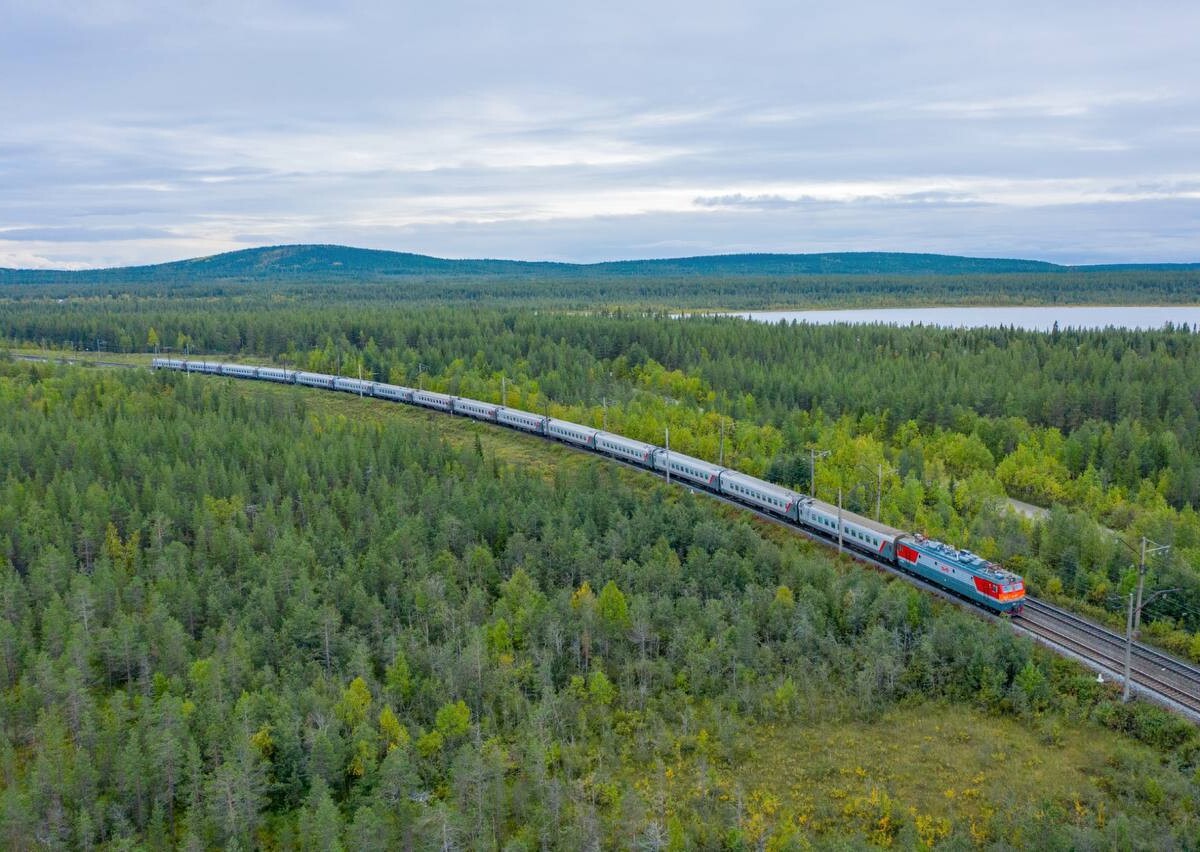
918, 776
529, 452
134, 358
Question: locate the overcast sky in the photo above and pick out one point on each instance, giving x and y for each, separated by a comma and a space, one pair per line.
135, 132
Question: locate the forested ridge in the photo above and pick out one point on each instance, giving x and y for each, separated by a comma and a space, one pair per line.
333, 261
316, 274
239, 615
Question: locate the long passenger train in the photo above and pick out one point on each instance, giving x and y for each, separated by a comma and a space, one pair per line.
958, 571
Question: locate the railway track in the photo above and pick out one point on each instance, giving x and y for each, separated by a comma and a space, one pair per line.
1159, 676
45, 359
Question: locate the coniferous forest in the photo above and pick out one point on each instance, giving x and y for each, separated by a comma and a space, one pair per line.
236, 618
241, 616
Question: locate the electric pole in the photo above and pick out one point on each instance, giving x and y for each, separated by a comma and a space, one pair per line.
667, 432
1133, 618
813, 455
879, 494
1137, 610
839, 520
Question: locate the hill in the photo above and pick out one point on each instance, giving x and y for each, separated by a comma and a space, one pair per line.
318, 274
327, 261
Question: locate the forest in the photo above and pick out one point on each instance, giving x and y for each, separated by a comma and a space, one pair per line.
237, 615
934, 428
324, 275
241, 616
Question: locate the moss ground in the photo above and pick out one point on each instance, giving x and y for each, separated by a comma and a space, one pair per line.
939, 769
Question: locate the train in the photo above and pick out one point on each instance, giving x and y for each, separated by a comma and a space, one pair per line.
955, 570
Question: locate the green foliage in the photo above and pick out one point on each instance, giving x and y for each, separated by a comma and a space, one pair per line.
394, 734
453, 720
600, 689
320, 823
313, 272
499, 641
1032, 687
225, 606
355, 703
612, 608
430, 743
399, 677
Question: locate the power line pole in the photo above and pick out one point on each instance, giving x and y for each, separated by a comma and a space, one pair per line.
839, 520
504, 392
1133, 619
721, 451
1141, 582
1134, 616
1137, 611
667, 431
813, 455
879, 494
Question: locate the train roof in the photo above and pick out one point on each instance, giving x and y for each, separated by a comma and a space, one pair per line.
860, 520
967, 560
761, 484
629, 442
520, 412
569, 425
699, 464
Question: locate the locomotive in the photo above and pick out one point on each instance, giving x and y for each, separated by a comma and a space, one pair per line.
958, 571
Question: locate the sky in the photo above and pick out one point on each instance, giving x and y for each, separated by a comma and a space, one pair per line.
139, 132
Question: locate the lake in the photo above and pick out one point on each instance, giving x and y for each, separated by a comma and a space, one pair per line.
1041, 318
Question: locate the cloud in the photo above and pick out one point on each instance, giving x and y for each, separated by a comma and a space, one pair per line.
132, 134
83, 235
779, 202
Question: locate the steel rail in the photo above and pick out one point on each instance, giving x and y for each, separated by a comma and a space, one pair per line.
1149, 654
1155, 686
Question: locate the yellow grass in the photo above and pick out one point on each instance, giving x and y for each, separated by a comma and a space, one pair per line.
918, 775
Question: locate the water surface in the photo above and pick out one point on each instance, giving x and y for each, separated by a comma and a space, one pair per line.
1040, 318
